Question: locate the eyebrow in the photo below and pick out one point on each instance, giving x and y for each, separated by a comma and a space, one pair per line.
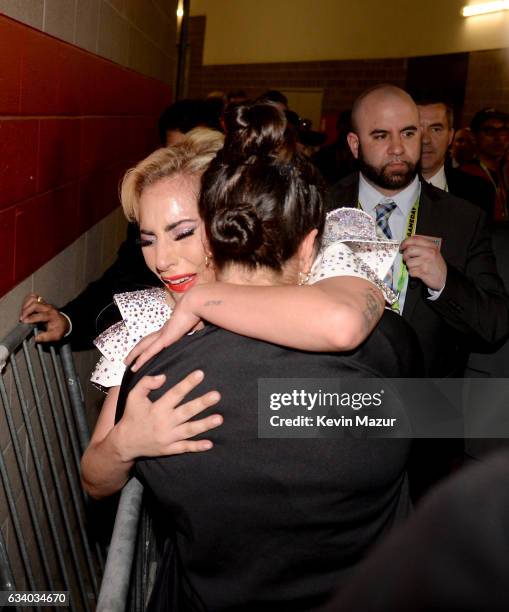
379, 132
437, 124
168, 228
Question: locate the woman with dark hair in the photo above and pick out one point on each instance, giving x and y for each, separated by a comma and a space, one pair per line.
338, 304
268, 524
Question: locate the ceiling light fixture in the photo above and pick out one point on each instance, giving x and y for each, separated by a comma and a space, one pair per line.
485, 7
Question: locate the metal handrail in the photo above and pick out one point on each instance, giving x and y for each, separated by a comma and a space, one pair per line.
117, 573
57, 405
45, 415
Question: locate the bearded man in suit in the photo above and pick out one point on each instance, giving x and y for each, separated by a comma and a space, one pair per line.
450, 291
446, 277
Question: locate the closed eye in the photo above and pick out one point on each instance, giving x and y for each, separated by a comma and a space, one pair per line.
185, 233
144, 242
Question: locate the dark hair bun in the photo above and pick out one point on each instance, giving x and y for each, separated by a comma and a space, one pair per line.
258, 130
237, 231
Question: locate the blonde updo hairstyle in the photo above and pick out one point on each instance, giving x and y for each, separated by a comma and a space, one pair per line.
190, 157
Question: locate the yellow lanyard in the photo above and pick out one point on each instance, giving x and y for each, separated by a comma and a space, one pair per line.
402, 277
411, 224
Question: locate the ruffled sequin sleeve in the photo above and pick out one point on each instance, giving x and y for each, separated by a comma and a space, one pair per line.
107, 373
350, 247
114, 344
143, 312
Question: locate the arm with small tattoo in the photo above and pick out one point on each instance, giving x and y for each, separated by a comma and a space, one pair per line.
334, 314
373, 308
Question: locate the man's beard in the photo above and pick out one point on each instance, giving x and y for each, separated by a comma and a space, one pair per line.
385, 179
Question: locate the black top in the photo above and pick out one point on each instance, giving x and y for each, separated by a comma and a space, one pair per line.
471, 188
272, 524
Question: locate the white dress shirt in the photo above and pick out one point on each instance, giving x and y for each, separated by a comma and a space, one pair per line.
439, 179
369, 197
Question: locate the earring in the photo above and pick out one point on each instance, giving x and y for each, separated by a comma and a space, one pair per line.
304, 278
208, 261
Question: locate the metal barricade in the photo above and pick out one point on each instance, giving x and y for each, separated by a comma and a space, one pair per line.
45, 544
131, 563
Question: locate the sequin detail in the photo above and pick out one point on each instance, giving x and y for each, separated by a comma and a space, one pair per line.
143, 312
351, 247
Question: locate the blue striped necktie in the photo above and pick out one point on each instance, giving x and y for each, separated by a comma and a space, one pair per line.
383, 212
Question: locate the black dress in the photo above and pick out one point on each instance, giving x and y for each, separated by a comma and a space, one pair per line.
271, 524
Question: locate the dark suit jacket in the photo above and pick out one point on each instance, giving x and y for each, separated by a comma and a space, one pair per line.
473, 306
93, 310
493, 363
471, 188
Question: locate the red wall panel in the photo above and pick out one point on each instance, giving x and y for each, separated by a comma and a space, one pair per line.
18, 160
7, 235
70, 124
45, 225
11, 45
98, 193
40, 74
59, 152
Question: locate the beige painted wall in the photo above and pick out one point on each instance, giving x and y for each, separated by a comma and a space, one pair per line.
243, 31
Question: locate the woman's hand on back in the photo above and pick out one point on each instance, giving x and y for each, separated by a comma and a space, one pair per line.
146, 429
163, 427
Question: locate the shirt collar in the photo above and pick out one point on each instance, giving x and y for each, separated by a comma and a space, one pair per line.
369, 196
439, 179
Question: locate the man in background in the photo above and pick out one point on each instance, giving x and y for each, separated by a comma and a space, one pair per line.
450, 291
437, 121
491, 130
446, 277
463, 147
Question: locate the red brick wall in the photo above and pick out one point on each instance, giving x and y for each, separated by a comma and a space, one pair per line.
70, 123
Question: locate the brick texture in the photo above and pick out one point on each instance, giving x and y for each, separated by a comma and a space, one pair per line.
342, 81
487, 82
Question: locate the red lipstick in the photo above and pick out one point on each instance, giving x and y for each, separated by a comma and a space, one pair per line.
179, 283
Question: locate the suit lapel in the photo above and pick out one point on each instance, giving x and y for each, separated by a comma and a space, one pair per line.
424, 226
